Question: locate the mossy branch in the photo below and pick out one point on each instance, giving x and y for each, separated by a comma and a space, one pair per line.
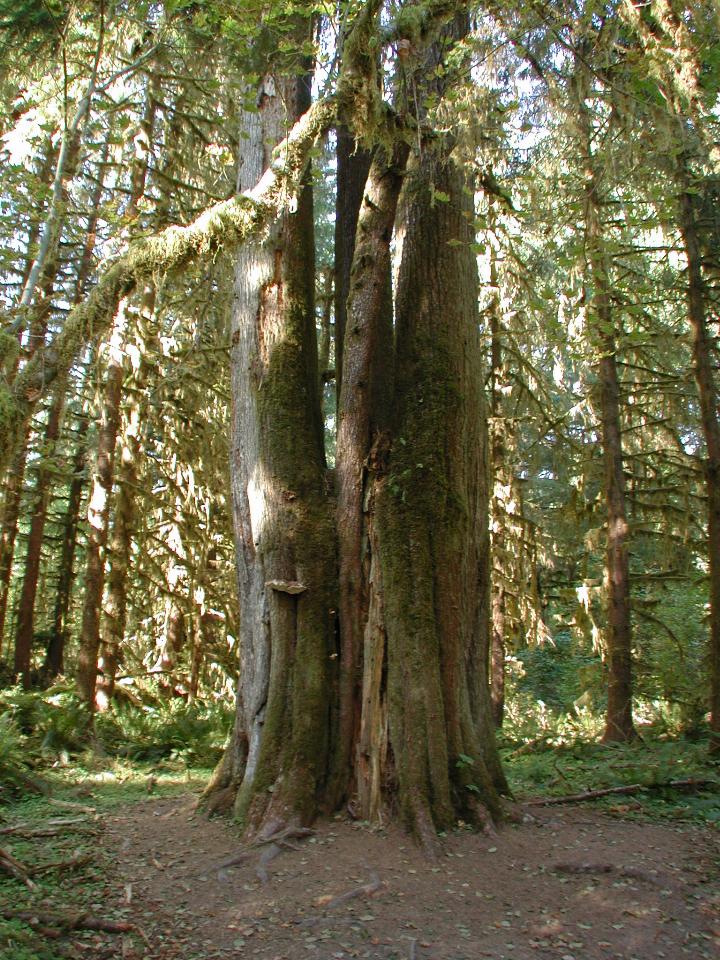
223, 226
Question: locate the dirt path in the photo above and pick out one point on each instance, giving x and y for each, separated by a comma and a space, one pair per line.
572, 884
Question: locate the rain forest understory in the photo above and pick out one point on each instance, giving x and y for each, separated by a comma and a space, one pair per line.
360, 471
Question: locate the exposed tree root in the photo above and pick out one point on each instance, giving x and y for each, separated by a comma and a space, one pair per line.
366, 890
691, 784
592, 869
266, 857
278, 838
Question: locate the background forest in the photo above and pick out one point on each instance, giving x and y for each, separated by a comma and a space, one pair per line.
587, 134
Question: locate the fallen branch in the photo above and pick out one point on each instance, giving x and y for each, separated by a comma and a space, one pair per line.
49, 829
690, 784
77, 860
54, 925
18, 870
71, 805
530, 746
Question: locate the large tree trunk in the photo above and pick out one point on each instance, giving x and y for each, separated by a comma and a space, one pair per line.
276, 764
430, 521
353, 166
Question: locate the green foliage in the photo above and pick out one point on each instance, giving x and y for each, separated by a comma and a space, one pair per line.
195, 733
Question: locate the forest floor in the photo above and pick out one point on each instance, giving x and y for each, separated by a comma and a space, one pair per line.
569, 882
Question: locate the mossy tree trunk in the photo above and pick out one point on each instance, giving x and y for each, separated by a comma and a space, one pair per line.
276, 765
407, 729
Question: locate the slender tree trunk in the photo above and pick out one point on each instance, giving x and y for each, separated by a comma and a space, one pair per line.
619, 721
11, 515
16, 475
708, 395
99, 507
55, 656
99, 512
26, 614
26, 610
497, 461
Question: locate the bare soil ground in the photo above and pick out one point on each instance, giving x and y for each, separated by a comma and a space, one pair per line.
570, 883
